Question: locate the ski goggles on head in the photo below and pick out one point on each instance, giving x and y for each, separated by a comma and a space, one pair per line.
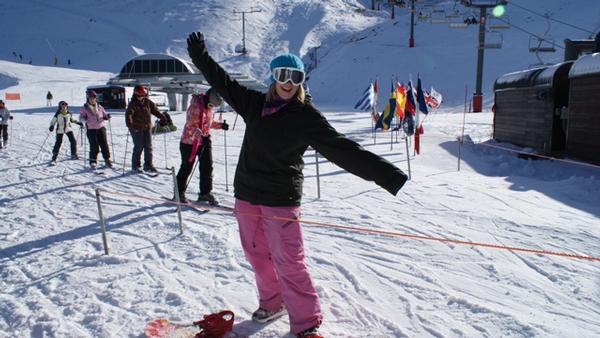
284, 74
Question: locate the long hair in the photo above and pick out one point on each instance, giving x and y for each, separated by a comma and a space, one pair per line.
300, 93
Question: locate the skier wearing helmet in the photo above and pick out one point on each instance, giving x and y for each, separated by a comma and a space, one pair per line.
62, 121
196, 142
138, 120
94, 115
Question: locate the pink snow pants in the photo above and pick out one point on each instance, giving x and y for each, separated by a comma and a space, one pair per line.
275, 250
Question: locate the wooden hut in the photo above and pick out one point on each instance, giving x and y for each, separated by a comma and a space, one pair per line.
583, 132
528, 107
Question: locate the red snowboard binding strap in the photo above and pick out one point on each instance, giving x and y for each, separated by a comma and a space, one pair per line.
215, 325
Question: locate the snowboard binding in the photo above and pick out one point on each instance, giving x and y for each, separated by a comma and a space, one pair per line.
215, 325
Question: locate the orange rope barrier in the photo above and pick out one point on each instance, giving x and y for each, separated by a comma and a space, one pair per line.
381, 232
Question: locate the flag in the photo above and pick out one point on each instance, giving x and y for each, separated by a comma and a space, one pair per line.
422, 109
421, 98
401, 100
408, 123
410, 100
385, 120
434, 100
367, 99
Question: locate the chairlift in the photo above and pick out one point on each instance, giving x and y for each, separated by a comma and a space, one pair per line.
438, 16
423, 16
544, 44
458, 25
454, 13
495, 23
541, 45
494, 40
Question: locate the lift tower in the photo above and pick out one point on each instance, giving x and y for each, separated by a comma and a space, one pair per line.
483, 6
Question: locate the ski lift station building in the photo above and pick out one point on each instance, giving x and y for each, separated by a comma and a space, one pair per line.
552, 109
168, 74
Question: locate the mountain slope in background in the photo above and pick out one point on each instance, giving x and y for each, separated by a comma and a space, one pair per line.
356, 44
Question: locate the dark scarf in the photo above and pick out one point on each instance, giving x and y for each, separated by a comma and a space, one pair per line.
273, 106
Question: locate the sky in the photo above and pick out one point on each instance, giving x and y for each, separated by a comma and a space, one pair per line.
411, 265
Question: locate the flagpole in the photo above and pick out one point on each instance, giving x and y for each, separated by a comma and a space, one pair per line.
460, 140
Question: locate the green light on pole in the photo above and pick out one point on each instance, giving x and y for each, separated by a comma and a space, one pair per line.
498, 11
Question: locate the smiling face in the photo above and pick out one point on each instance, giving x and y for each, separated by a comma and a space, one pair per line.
286, 91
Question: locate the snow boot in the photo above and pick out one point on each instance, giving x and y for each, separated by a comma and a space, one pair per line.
150, 169
209, 198
313, 332
264, 316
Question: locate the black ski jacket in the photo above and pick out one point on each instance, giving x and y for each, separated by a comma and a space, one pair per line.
269, 170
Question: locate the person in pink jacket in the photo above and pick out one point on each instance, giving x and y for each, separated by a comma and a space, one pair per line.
196, 142
93, 115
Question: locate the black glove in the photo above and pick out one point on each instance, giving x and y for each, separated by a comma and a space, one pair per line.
51, 128
196, 45
224, 126
11, 117
79, 123
107, 117
163, 121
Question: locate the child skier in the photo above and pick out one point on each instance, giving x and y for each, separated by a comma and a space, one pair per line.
62, 120
4, 117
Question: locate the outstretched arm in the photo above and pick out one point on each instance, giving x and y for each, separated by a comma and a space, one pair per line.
350, 155
237, 96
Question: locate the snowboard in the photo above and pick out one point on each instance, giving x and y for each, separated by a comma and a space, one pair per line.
163, 328
215, 325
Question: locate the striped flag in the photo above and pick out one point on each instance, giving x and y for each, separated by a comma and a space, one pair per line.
367, 100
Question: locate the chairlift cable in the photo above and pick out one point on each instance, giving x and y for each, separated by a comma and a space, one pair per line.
549, 18
532, 34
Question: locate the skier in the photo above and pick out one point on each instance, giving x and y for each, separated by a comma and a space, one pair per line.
94, 115
62, 120
48, 99
138, 120
5, 115
280, 125
196, 142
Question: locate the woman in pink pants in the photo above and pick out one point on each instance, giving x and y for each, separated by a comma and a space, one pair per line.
280, 125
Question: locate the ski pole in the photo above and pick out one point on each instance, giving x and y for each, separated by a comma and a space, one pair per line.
11, 129
225, 144
81, 142
43, 144
165, 142
84, 144
112, 145
234, 121
191, 173
125, 156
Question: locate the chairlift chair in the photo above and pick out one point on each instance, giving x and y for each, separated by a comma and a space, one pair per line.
495, 23
494, 40
438, 16
541, 45
458, 25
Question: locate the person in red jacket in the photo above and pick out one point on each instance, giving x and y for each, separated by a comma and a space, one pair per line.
280, 125
138, 120
196, 142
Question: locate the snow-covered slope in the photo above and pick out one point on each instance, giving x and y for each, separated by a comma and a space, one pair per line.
404, 281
